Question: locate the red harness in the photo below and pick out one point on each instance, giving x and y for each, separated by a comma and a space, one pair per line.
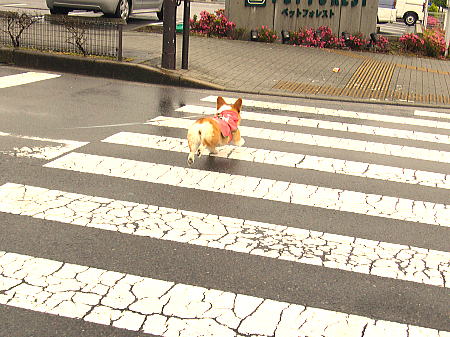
228, 122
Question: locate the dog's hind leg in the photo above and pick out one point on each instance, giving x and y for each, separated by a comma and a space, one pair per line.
200, 150
194, 142
237, 139
212, 150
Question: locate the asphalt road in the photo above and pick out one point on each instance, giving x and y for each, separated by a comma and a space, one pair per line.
105, 229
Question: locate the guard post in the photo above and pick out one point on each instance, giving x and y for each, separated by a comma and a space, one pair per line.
168, 60
186, 24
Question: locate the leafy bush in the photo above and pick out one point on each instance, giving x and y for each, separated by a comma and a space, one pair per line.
321, 37
434, 42
432, 21
433, 8
411, 43
356, 42
239, 34
209, 24
265, 34
382, 44
325, 34
440, 3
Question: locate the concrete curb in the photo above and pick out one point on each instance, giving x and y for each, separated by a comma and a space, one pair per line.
99, 67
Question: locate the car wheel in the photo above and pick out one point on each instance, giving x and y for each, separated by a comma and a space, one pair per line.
410, 18
160, 14
123, 10
59, 10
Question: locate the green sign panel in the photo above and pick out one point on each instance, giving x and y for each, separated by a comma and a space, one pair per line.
255, 3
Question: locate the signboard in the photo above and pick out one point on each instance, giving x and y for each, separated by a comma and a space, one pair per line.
350, 16
255, 3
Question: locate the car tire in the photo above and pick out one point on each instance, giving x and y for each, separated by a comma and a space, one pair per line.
123, 10
410, 18
160, 14
59, 10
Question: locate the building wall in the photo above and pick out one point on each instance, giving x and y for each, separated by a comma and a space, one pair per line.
352, 16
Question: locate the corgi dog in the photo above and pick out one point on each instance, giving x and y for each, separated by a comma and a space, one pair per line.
211, 132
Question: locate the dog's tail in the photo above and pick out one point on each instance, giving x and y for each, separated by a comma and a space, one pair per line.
194, 137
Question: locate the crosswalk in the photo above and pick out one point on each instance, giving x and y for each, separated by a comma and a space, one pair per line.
340, 194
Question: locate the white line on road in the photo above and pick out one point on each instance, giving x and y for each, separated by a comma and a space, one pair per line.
42, 152
245, 236
337, 113
323, 141
431, 114
254, 187
171, 309
327, 125
24, 78
14, 5
302, 161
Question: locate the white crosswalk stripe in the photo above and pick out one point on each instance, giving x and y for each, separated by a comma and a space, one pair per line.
340, 113
24, 78
431, 114
324, 141
167, 307
327, 125
240, 235
267, 189
323, 164
41, 151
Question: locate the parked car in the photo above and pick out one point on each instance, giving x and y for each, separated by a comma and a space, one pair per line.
117, 8
410, 11
387, 12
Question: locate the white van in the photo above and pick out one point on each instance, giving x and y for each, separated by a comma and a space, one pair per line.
386, 11
410, 11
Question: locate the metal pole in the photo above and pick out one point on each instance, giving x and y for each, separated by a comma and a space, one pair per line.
168, 60
186, 16
425, 16
447, 29
120, 49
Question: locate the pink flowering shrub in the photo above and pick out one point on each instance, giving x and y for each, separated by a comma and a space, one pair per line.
382, 44
434, 42
321, 37
432, 21
212, 24
411, 42
356, 42
266, 35
325, 34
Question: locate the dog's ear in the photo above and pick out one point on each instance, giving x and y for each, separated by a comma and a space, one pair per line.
220, 102
238, 104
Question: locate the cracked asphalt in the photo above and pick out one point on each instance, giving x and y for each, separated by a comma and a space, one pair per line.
105, 231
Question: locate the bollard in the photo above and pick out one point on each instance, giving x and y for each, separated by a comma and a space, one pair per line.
168, 60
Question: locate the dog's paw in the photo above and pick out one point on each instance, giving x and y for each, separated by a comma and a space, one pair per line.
191, 159
199, 153
240, 142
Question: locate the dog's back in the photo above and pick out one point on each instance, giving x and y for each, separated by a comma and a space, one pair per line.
203, 133
206, 132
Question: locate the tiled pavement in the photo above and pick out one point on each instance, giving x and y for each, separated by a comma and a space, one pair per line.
298, 71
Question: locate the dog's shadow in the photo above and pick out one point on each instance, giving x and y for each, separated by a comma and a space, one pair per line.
214, 164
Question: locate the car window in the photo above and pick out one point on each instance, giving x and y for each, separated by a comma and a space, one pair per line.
386, 4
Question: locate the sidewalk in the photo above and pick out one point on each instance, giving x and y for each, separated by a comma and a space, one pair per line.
304, 72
